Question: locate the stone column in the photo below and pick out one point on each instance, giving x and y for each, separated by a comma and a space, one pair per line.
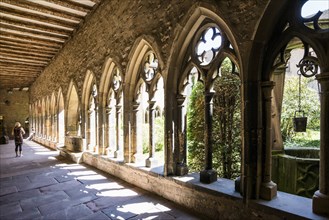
208, 175
100, 130
137, 139
321, 197
151, 160
119, 152
109, 150
181, 167
87, 133
268, 189
55, 130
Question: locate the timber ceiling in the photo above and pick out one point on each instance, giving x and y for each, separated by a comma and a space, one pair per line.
32, 32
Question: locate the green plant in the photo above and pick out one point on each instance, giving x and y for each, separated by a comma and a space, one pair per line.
159, 133
226, 126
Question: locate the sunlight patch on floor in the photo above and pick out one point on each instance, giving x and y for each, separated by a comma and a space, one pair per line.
104, 186
117, 193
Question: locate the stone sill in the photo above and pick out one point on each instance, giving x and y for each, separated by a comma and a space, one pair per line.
283, 206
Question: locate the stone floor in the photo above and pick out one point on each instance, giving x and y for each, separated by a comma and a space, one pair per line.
43, 185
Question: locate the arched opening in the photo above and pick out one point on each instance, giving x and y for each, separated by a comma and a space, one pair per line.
297, 106
115, 115
206, 121
91, 120
72, 111
60, 119
149, 95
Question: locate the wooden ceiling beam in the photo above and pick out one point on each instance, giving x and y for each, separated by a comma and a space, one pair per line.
58, 8
32, 32
19, 72
22, 74
22, 56
37, 14
44, 32
15, 69
4, 58
26, 53
84, 4
34, 22
27, 45
21, 62
31, 36
11, 38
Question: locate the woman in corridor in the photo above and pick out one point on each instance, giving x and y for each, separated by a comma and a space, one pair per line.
18, 132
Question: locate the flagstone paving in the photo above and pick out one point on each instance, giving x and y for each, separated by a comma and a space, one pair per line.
43, 185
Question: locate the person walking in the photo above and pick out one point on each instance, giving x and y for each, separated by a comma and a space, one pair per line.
18, 132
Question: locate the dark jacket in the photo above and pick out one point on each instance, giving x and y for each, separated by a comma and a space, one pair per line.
18, 135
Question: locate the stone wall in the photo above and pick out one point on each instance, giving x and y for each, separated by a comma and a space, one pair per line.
114, 27
14, 106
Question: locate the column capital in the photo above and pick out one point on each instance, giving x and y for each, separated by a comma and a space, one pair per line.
151, 104
269, 84
180, 99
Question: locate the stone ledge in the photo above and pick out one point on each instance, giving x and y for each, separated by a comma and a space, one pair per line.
74, 156
220, 196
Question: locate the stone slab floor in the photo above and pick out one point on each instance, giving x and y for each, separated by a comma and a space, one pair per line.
43, 185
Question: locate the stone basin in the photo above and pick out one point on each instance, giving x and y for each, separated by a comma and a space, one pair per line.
296, 170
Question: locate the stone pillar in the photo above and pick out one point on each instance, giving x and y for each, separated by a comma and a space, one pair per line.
137, 139
119, 151
181, 167
208, 175
151, 160
109, 150
321, 197
55, 129
268, 189
87, 134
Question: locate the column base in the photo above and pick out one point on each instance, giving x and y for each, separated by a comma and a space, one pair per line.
118, 154
151, 162
320, 203
208, 176
181, 169
268, 190
237, 184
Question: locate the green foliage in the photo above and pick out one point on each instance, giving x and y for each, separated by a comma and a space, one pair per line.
195, 128
309, 104
226, 126
158, 136
159, 133
145, 137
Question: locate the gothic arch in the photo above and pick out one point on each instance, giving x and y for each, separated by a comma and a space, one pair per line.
198, 19
90, 106
72, 116
280, 23
60, 118
106, 77
141, 46
53, 104
144, 50
111, 110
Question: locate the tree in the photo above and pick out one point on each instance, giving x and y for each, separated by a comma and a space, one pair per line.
226, 125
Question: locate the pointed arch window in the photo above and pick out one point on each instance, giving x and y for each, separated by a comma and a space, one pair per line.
198, 92
92, 119
114, 115
149, 129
